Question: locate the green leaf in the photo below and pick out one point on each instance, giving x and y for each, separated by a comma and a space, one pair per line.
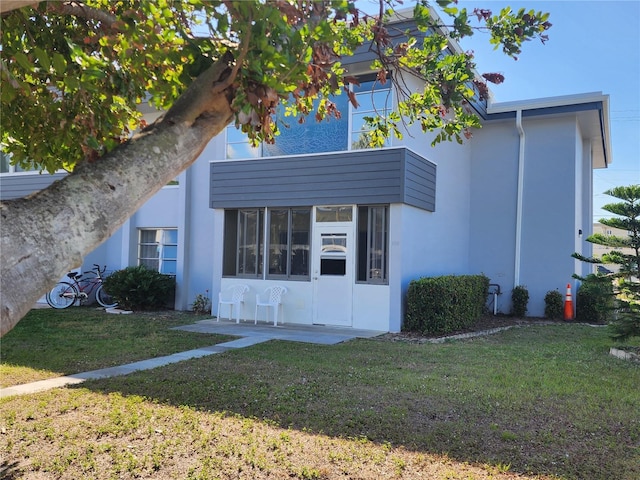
7, 93
23, 61
59, 63
92, 142
43, 58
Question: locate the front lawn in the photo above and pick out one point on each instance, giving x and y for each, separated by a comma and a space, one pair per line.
536, 402
49, 343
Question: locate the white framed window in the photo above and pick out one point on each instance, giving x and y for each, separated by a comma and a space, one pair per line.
158, 249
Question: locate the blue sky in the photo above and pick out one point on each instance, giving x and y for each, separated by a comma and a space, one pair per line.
593, 46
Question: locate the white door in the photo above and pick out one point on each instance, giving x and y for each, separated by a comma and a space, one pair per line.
332, 275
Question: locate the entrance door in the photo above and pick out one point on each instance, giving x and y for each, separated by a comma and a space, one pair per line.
332, 275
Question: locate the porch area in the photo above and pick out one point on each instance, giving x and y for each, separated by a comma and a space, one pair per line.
262, 332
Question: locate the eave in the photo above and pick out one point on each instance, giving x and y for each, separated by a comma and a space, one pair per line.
591, 111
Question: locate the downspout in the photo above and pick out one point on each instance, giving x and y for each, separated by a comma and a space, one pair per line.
516, 272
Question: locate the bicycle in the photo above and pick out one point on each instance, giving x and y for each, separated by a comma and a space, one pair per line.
65, 294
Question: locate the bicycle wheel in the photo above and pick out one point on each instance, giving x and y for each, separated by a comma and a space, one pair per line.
63, 295
104, 299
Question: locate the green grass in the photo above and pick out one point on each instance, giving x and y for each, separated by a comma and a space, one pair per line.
536, 402
49, 343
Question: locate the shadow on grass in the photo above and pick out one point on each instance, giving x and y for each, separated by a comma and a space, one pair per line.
543, 400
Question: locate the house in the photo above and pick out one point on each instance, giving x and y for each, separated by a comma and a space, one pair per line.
346, 229
600, 250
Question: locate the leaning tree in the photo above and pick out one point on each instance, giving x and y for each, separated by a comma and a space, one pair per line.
74, 74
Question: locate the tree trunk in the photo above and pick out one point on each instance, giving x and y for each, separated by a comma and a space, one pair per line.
46, 234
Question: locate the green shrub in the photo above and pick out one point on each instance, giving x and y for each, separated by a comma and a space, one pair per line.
138, 288
440, 305
553, 305
627, 322
519, 301
594, 300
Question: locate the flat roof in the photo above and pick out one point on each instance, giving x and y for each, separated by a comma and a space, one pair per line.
591, 110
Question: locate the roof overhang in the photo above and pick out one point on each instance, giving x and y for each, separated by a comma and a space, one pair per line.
590, 109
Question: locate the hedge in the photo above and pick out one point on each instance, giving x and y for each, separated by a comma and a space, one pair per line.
440, 305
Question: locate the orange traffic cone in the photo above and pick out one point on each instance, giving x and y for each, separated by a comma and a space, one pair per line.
568, 304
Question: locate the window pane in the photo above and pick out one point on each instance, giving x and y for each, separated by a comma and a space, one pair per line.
379, 100
230, 245
148, 236
334, 243
170, 251
334, 214
150, 264
149, 251
4, 162
235, 135
248, 248
373, 244
170, 237
312, 136
300, 229
242, 150
168, 267
278, 241
377, 243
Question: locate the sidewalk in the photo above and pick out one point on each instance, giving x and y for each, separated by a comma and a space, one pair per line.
250, 335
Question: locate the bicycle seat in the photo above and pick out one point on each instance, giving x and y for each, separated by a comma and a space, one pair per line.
73, 275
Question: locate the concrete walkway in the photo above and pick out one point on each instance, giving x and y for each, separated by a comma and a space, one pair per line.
250, 335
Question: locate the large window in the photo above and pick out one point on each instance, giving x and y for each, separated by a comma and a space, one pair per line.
289, 230
158, 249
345, 133
243, 243
373, 244
286, 247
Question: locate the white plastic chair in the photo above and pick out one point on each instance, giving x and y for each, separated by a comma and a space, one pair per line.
271, 298
234, 297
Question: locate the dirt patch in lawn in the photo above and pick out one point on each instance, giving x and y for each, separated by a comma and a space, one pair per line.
487, 323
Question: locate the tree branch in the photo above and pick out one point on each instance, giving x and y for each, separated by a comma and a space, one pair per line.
8, 5
80, 10
6, 74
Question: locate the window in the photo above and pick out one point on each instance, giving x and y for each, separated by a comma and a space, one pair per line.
158, 250
373, 99
238, 145
373, 244
311, 136
6, 167
334, 214
286, 247
243, 243
289, 230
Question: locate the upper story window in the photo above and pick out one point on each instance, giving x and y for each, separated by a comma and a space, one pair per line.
158, 249
6, 167
373, 99
331, 135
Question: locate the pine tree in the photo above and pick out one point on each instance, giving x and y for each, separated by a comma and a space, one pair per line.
626, 254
